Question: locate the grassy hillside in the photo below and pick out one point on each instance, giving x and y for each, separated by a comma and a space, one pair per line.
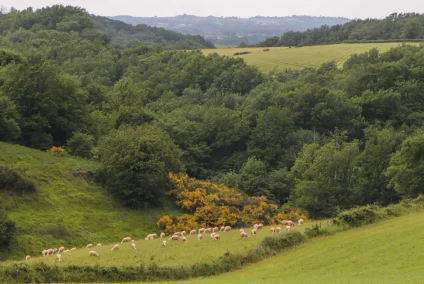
67, 209
385, 252
298, 58
175, 254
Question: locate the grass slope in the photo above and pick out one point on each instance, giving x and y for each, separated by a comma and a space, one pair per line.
67, 209
298, 58
385, 252
175, 254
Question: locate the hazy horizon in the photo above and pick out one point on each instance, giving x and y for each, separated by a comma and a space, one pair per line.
236, 8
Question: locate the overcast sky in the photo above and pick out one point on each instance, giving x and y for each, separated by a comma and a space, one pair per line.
239, 8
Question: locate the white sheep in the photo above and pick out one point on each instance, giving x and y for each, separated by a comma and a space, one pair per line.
300, 222
133, 246
89, 246
199, 237
67, 250
255, 226
174, 238
260, 226
227, 229
272, 230
115, 247
222, 229
93, 253
99, 245
61, 249
193, 232
212, 236
49, 251
162, 235
164, 243
287, 222
208, 230
177, 234
288, 228
244, 235
241, 230
59, 257
28, 257
202, 231
216, 237
254, 231
44, 252
73, 249
184, 239
278, 230
126, 240
215, 229
54, 250
183, 233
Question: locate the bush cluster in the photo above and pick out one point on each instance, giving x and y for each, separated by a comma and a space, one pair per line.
12, 181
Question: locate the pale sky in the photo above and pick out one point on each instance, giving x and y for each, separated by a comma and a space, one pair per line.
239, 8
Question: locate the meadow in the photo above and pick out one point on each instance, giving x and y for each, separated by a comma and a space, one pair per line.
296, 58
68, 208
386, 252
175, 254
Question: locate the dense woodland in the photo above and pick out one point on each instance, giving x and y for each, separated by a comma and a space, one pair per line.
408, 26
322, 140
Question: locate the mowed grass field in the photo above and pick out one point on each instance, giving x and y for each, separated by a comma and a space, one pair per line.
174, 254
282, 58
391, 251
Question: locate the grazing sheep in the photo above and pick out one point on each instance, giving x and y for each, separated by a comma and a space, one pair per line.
193, 232
254, 231
162, 235
278, 230
126, 240
216, 229
67, 250
208, 230
133, 246
244, 235
272, 230
227, 229
255, 226
216, 237
164, 244
28, 257
49, 251
183, 233
89, 246
99, 245
184, 239
61, 249
73, 249
59, 257
151, 237
54, 250
44, 252
241, 230
212, 236
115, 247
300, 222
199, 237
260, 226
287, 222
174, 238
202, 231
288, 228
177, 234
93, 253
222, 229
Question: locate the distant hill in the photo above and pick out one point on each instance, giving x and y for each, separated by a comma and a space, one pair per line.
234, 30
395, 27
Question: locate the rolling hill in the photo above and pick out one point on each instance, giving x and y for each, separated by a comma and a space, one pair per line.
281, 58
68, 208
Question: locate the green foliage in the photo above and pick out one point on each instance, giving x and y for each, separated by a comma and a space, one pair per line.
7, 231
80, 145
9, 127
13, 182
136, 162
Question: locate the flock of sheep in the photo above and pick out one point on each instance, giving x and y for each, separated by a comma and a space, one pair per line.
175, 237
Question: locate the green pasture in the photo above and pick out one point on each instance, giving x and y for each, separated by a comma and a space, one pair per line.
281, 58
386, 252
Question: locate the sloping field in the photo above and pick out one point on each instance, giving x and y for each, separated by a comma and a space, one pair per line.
302, 57
386, 252
68, 209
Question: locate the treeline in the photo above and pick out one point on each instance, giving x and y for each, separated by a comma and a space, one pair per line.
408, 26
323, 139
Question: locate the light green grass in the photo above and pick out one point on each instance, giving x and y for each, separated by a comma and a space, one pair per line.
175, 254
67, 210
282, 58
387, 252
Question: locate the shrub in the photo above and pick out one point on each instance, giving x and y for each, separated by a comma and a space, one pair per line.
358, 216
10, 180
241, 53
80, 145
7, 230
